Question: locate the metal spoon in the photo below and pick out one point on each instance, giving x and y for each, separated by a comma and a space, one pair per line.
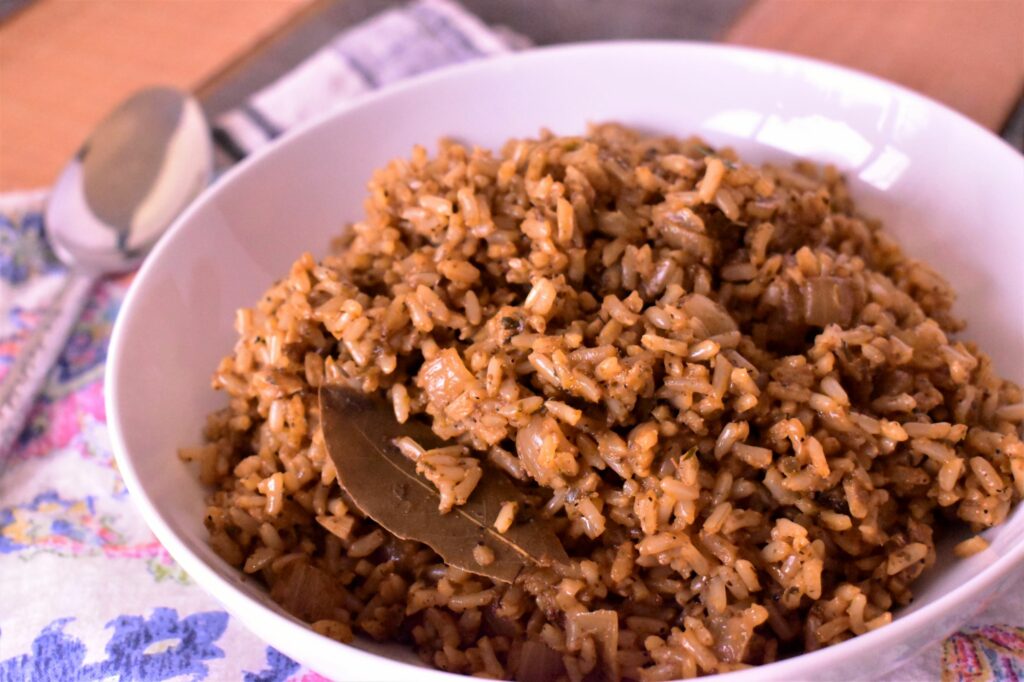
138, 170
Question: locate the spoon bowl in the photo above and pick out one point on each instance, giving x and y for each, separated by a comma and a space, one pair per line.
139, 169
141, 166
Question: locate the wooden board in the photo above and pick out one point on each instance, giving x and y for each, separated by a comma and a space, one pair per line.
968, 54
65, 63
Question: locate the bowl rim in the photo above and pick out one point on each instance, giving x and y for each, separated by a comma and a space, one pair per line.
299, 635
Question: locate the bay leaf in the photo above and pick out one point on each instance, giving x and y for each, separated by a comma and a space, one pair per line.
359, 432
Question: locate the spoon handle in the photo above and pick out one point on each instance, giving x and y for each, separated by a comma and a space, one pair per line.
37, 356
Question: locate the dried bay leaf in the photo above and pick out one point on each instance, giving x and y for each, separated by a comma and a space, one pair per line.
359, 431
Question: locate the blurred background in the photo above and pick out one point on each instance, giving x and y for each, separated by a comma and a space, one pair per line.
65, 63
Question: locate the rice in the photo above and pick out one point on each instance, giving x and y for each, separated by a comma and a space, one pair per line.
970, 546
743, 408
506, 516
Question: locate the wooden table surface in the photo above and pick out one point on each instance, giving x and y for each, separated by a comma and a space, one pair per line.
65, 63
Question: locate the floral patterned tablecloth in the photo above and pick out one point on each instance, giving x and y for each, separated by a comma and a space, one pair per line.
87, 591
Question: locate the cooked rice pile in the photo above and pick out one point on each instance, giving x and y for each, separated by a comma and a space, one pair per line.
736, 396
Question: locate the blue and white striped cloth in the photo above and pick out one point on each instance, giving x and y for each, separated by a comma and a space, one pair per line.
402, 42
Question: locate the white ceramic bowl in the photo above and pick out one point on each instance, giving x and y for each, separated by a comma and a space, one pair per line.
952, 193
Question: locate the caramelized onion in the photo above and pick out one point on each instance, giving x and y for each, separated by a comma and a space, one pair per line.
539, 663
829, 300
715, 318
529, 446
307, 592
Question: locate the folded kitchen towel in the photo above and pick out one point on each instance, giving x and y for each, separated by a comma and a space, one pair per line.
396, 44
